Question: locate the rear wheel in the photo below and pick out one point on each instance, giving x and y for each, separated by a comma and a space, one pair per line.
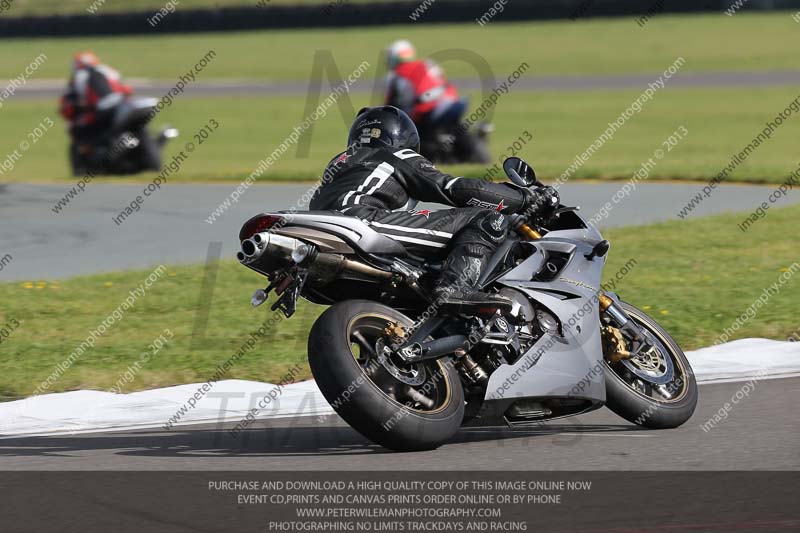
655, 389
401, 407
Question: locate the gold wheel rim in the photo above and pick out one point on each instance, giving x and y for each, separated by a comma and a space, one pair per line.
442, 369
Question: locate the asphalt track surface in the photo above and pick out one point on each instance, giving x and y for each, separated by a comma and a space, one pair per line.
761, 432
171, 226
53, 88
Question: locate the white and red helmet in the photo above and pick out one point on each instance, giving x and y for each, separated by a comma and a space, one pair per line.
85, 59
400, 51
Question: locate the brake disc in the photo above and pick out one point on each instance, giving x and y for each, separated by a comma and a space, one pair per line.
654, 366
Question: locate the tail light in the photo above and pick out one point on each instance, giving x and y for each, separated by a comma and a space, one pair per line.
259, 224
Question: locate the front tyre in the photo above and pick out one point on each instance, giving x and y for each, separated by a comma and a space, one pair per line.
475, 148
656, 390
401, 407
149, 152
77, 161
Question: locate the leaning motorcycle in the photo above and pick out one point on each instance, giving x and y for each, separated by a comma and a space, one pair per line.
453, 144
407, 375
128, 147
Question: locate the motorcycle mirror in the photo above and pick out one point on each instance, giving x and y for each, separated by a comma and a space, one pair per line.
520, 172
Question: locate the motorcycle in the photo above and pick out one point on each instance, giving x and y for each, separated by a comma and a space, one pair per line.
452, 145
127, 147
407, 374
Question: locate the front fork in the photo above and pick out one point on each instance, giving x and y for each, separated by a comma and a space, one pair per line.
622, 321
607, 304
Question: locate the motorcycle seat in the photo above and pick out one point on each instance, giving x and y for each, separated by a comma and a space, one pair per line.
350, 229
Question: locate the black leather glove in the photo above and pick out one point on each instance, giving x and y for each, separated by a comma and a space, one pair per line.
541, 201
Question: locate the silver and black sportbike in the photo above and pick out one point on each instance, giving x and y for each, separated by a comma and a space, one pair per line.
407, 374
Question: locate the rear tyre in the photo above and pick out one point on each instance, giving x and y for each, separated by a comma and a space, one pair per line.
403, 408
657, 391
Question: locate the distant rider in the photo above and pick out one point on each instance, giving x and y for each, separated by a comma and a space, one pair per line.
420, 88
93, 94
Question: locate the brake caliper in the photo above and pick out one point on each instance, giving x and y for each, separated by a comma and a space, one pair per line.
614, 346
394, 333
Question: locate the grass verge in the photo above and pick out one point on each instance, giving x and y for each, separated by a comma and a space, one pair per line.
720, 124
695, 277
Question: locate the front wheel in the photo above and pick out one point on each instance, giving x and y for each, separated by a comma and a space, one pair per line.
655, 389
149, 152
77, 161
401, 407
473, 147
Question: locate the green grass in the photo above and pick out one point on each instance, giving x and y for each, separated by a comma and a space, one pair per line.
757, 41
720, 123
695, 277
55, 317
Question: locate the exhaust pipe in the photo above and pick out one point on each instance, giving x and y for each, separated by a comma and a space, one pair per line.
328, 267
273, 250
267, 252
249, 248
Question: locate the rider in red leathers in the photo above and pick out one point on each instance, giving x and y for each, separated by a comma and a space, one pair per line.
420, 88
93, 94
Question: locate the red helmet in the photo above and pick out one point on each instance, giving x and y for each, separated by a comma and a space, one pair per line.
84, 59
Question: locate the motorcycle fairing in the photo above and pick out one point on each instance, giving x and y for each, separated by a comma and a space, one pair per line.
569, 365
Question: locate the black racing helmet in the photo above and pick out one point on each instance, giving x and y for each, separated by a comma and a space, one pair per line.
384, 125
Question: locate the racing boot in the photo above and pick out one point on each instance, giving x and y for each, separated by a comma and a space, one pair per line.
457, 289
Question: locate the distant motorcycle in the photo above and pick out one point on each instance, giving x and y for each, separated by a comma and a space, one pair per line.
128, 147
407, 375
450, 145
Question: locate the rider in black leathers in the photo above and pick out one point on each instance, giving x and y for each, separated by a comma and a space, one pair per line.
381, 173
